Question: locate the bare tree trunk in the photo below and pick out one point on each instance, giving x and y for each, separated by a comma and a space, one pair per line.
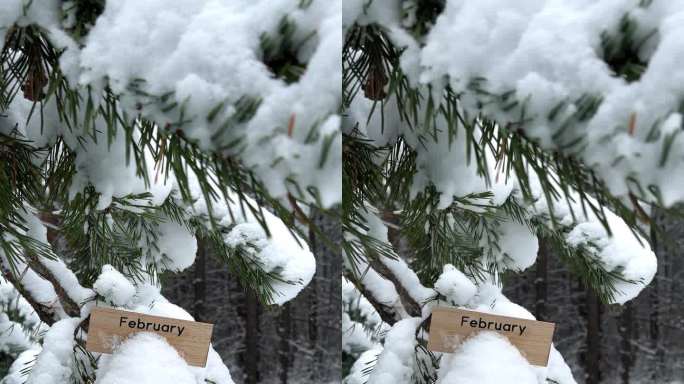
251, 355
626, 331
285, 332
593, 341
541, 281
659, 288
200, 282
654, 319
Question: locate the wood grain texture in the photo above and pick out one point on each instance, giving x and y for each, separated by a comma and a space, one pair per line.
449, 327
109, 327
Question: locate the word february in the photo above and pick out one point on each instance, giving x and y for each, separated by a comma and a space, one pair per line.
150, 326
110, 327
493, 325
449, 327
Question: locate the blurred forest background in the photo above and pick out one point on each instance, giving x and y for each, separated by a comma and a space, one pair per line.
298, 342
641, 342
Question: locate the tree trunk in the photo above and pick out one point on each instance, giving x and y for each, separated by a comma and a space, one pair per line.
626, 331
284, 332
251, 356
593, 341
654, 319
541, 281
200, 282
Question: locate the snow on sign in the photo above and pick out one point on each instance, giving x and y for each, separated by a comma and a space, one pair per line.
109, 327
449, 327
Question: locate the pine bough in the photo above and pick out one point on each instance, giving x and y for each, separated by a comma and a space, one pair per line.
132, 130
473, 130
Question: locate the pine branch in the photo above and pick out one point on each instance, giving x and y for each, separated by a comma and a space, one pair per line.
71, 308
45, 312
388, 314
411, 307
368, 48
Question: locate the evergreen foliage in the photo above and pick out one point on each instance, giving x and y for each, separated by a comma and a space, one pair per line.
384, 178
215, 195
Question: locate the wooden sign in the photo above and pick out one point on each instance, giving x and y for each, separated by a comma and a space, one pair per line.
449, 327
109, 327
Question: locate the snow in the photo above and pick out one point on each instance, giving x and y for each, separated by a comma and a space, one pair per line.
355, 338
171, 40
160, 306
10, 298
40, 289
382, 290
292, 142
395, 363
10, 11
151, 302
55, 362
14, 11
557, 370
486, 358
15, 373
18, 327
518, 246
144, 358
364, 12
455, 286
280, 251
445, 163
441, 161
405, 275
176, 247
38, 231
146, 298
214, 372
114, 286
279, 254
544, 52
489, 299
549, 52
101, 161
13, 336
408, 279
353, 300
362, 332
358, 373
105, 164
622, 251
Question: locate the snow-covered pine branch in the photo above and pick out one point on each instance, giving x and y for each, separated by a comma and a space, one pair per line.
595, 80
254, 81
516, 250
459, 165
129, 131
143, 235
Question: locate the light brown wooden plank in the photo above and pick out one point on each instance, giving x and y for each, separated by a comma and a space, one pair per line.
448, 330
106, 331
